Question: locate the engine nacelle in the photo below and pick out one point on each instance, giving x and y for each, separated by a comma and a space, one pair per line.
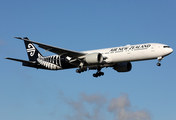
123, 67
94, 58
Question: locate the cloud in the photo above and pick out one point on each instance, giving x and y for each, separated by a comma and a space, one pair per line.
81, 111
96, 99
119, 103
121, 108
97, 106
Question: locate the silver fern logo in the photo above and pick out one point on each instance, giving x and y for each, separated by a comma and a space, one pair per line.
31, 49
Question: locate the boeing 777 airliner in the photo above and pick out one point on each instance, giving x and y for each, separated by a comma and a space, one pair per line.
119, 58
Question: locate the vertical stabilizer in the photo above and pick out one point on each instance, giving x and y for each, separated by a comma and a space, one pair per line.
32, 51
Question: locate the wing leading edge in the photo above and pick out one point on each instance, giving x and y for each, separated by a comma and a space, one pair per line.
56, 50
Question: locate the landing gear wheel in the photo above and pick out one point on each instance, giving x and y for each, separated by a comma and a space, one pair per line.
95, 75
85, 68
102, 73
81, 69
98, 74
158, 64
78, 70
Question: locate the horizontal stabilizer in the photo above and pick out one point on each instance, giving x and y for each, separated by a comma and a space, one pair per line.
25, 38
19, 60
26, 63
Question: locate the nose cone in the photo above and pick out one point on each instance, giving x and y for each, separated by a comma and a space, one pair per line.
167, 50
170, 50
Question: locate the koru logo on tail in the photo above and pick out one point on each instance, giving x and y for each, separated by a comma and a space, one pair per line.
31, 49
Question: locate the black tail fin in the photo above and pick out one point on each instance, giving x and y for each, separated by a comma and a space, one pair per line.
32, 51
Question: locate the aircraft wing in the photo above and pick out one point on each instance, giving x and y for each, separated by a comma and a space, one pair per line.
56, 50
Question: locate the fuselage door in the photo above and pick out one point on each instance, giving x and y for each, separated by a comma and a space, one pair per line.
152, 48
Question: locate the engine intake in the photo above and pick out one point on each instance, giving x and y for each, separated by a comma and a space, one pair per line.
94, 58
123, 67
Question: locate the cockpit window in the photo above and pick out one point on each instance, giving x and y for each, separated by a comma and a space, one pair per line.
166, 47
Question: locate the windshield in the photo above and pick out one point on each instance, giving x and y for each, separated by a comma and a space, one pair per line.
166, 47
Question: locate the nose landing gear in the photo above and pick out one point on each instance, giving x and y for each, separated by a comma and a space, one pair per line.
159, 60
158, 64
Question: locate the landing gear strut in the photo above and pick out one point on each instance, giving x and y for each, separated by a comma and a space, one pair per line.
98, 73
159, 60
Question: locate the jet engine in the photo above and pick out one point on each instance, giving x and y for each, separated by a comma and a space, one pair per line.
123, 67
94, 58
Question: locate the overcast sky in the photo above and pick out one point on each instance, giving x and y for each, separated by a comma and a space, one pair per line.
147, 92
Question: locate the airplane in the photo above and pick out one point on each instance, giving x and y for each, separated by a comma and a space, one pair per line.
118, 58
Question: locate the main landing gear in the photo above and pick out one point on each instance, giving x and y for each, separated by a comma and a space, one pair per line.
159, 60
98, 73
81, 69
